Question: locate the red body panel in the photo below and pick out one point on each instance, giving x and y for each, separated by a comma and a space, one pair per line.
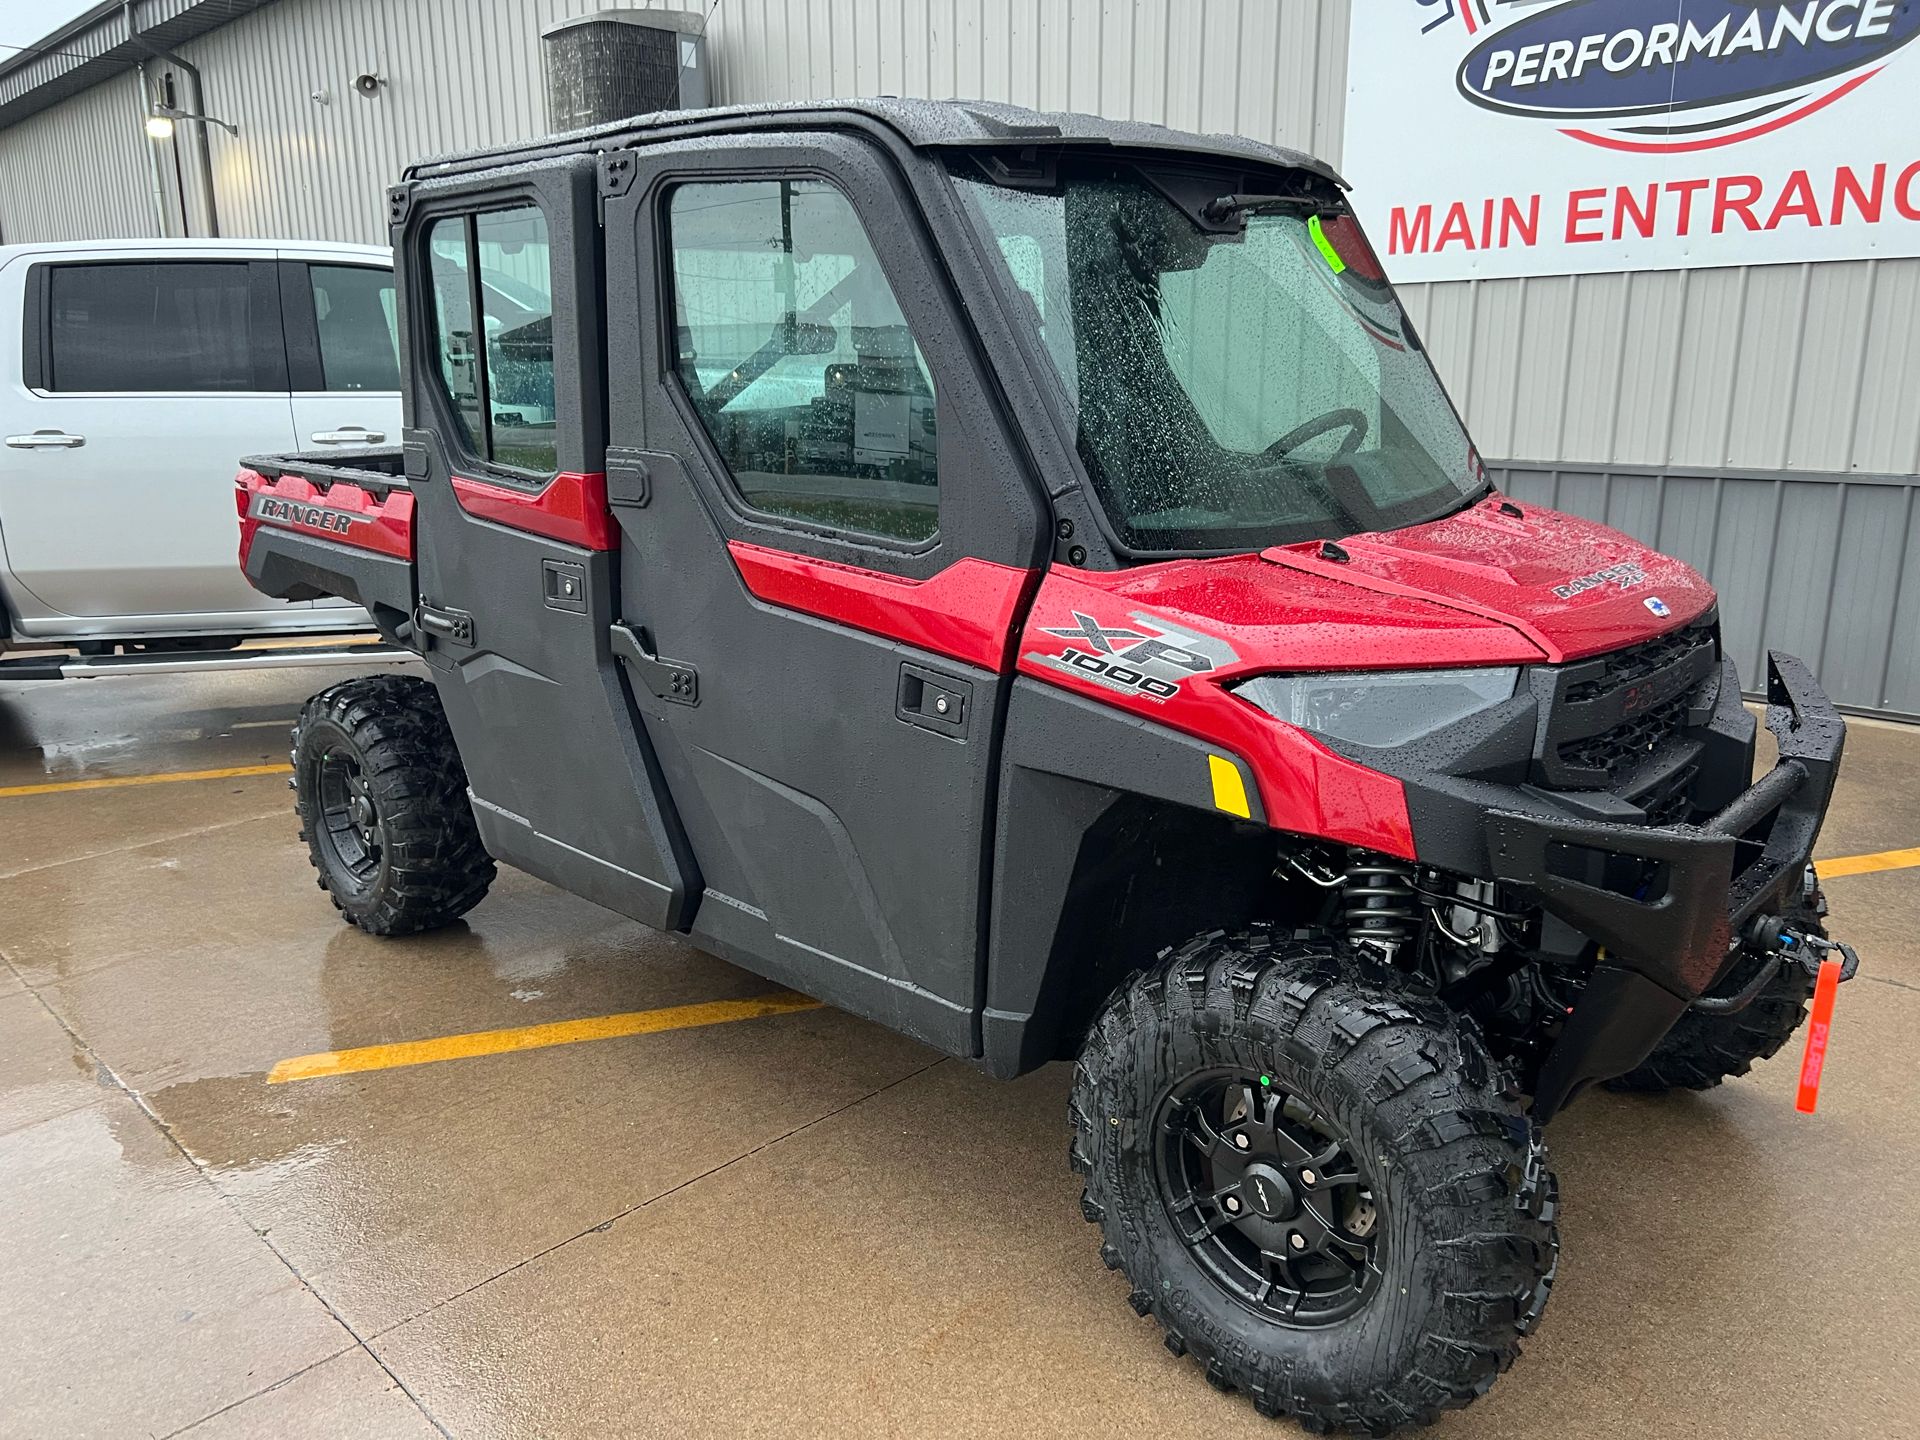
1304, 786
342, 512
966, 612
1507, 569
572, 508
1476, 588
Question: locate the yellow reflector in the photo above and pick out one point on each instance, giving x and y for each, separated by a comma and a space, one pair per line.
1229, 791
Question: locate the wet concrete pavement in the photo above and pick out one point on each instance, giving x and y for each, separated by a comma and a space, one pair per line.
791, 1225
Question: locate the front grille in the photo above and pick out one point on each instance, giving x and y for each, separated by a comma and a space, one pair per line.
1619, 721
1623, 667
1621, 749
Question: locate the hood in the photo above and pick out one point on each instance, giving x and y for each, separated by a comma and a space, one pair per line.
1571, 587
1481, 587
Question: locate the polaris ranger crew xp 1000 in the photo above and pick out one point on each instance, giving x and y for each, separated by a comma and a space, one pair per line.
1017, 577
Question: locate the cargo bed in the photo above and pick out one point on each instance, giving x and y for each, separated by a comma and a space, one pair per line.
312, 526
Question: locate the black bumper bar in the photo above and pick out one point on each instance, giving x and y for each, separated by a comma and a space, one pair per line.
1668, 924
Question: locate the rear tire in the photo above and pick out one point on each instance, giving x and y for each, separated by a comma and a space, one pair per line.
1420, 1245
1703, 1049
382, 800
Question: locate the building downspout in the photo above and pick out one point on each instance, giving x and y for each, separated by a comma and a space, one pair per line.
153, 154
192, 72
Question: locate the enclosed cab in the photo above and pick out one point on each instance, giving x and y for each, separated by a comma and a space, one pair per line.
1019, 578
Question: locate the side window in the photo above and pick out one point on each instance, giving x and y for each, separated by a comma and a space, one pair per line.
159, 326
499, 373
798, 359
353, 308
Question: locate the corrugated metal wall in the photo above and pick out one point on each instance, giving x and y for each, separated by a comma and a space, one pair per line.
78, 170
1788, 374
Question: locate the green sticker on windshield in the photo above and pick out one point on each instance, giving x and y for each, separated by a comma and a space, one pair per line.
1332, 256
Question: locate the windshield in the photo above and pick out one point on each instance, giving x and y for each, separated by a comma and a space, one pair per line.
1231, 389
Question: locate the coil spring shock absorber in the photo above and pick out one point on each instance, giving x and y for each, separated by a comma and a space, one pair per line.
1377, 901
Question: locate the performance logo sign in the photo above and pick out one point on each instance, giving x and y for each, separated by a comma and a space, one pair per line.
1541, 137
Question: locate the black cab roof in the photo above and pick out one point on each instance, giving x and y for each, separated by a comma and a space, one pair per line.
920, 124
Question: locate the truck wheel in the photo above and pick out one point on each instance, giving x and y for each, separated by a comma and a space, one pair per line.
382, 800
1703, 1049
1316, 1180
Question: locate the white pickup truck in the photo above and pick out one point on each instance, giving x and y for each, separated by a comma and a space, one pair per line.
131, 375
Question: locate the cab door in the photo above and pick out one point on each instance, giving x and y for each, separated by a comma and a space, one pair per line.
515, 546
826, 541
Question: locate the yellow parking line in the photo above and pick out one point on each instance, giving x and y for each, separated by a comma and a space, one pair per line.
1867, 864
536, 1037
114, 782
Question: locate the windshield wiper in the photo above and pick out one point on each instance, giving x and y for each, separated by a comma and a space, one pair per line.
1226, 207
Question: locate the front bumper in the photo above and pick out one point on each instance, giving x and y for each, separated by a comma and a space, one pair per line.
1668, 903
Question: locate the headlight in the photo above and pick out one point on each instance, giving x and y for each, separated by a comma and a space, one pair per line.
1382, 707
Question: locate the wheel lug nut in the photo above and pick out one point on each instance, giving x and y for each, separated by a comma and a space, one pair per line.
1297, 1240
1240, 1141
1306, 1177
1233, 1204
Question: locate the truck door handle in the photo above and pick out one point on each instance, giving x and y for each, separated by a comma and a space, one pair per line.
349, 435
46, 440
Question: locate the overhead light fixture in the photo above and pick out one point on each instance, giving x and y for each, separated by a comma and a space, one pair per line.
160, 122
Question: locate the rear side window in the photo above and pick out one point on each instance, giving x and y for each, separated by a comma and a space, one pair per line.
798, 359
160, 326
498, 373
353, 309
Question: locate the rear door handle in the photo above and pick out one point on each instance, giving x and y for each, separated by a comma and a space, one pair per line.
349, 435
46, 440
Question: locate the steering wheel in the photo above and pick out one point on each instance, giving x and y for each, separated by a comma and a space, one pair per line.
1346, 418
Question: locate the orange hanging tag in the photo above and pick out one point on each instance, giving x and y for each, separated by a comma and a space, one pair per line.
1815, 1058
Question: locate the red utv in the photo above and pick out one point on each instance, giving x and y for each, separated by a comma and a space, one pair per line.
1018, 577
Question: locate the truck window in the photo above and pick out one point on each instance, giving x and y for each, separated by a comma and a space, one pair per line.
497, 264
353, 309
151, 326
798, 360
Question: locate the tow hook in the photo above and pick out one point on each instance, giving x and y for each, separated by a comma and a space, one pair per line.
1769, 932
1782, 944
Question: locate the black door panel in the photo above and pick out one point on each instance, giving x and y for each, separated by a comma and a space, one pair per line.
564, 780
840, 839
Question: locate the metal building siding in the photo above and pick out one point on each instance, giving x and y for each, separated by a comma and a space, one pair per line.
78, 169
1775, 367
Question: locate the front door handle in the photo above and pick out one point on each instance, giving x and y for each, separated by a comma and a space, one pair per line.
46, 440
349, 435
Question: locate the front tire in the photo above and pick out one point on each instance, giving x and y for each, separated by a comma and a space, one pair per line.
1316, 1181
382, 800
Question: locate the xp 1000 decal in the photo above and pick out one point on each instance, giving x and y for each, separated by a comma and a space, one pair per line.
1533, 137
1144, 656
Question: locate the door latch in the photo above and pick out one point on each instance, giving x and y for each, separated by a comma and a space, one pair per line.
670, 680
454, 626
933, 701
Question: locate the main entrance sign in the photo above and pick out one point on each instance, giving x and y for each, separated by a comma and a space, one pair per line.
1539, 137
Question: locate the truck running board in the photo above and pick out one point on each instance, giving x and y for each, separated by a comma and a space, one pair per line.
167, 662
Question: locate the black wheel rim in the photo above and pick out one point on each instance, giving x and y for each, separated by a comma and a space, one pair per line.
1269, 1198
349, 819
